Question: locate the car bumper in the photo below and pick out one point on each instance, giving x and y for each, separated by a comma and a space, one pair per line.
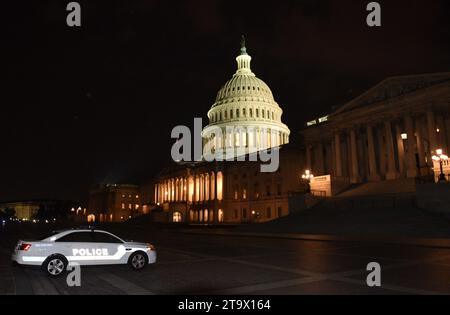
27, 260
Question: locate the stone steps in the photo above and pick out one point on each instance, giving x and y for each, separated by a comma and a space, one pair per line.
399, 186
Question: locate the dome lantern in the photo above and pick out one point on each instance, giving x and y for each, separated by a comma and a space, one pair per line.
244, 59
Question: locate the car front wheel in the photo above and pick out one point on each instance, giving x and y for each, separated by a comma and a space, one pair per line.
138, 261
55, 266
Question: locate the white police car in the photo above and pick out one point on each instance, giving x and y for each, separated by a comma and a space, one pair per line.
84, 247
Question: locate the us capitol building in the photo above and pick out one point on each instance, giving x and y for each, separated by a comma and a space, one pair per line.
381, 142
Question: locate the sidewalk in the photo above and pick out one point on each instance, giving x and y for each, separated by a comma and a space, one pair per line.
424, 242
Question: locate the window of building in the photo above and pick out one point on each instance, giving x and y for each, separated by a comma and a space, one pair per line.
236, 214
244, 112
268, 191
231, 114
177, 217
219, 186
280, 212
263, 114
220, 216
123, 206
236, 194
269, 213
244, 213
136, 207
251, 112
256, 189
238, 113
130, 206
244, 193
257, 113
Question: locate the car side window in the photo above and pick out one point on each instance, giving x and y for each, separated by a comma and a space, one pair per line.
77, 237
100, 237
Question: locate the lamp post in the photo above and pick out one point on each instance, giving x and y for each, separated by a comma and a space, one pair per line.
440, 158
307, 177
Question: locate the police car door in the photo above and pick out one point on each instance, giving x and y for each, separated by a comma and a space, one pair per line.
112, 248
78, 247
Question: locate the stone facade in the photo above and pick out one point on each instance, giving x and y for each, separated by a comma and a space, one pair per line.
114, 203
225, 192
390, 132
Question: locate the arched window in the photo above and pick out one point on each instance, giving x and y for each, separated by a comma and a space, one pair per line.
220, 216
212, 195
207, 186
219, 186
191, 189
197, 189
177, 217
205, 215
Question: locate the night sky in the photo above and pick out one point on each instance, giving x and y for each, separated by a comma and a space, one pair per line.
97, 104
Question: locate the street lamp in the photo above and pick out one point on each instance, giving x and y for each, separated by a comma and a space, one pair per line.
440, 157
307, 177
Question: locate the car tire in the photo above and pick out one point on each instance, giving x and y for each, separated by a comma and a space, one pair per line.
55, 265
138, 261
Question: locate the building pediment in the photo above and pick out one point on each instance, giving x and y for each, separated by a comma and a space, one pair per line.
394, 87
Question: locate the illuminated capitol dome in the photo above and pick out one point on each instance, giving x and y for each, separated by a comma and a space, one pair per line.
245, 113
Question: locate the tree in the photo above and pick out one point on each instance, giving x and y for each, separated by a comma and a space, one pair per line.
8, 213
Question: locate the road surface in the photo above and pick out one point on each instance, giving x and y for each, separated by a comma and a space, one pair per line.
207, 264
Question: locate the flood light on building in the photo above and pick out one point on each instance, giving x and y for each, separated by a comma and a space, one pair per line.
404, 136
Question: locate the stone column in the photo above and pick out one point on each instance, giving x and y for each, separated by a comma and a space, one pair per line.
411, 171
400, 150
320, 166
333, 158
432, 134
382, 148
355, 178
391, 171
441, 136
338, 149
373, 173
447, 129
420, 146
308, 157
